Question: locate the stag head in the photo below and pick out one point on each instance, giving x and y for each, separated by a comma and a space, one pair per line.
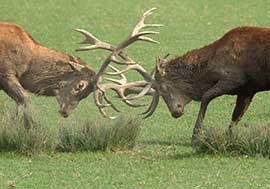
173, 95
75, 88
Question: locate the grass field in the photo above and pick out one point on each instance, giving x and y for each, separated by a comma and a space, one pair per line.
163, 156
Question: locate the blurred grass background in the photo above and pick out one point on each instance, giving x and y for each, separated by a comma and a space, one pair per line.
163, 157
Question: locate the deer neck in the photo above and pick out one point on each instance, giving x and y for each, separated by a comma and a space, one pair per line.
46, 72
185, 72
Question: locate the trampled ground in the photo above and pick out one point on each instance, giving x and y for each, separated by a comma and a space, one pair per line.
163, 157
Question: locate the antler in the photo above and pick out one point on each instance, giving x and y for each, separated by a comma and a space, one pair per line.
122, 87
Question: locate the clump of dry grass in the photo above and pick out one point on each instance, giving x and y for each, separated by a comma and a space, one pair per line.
27, 133
252, 141
23, 133
99, 135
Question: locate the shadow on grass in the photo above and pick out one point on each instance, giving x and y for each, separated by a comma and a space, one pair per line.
171, 149
166, 143
186, 155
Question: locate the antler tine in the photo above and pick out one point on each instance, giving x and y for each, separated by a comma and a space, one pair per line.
121, 94
112, 105
137, 90
120, 89
151, 109
146, 89
90, 38
135, 67
98, 101
128, 61
140, 25
98, 44
122, 76
124, 82
148, 39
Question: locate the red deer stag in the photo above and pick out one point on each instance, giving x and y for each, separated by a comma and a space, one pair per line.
25, 65
236, 64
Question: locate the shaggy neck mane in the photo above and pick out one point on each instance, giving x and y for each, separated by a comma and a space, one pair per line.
183, 71
190, 64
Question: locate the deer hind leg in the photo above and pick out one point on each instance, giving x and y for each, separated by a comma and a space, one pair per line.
222, 87
242, 103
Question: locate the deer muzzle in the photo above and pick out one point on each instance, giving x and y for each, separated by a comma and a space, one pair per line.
177, 114
65, 110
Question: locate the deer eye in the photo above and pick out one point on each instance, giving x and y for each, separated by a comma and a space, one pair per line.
79, 86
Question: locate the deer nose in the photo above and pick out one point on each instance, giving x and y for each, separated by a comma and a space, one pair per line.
62, 110
63, 113
177, 113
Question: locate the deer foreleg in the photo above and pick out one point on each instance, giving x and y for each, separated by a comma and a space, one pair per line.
222, 87
13, 88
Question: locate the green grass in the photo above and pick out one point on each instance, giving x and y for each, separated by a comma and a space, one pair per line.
163, 156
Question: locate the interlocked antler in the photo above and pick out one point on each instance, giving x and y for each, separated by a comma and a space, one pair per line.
122, 87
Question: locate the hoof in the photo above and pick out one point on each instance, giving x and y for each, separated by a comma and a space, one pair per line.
196, 138
229, 134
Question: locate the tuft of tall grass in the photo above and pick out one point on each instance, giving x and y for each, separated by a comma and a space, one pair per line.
252, 141
23, 133
27, 133
99, 135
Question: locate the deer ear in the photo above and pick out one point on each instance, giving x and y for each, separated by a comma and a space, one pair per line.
75, 66
160, 65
